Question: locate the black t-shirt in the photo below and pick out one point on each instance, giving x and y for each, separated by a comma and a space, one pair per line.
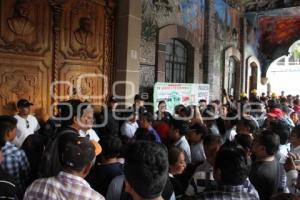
177, 186
7, 186
264, 176
101, 176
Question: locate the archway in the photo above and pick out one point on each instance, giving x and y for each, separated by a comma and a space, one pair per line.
284, 72
253, 75
181, 35
232, 78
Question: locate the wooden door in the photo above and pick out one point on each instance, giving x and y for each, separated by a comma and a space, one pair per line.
51, 48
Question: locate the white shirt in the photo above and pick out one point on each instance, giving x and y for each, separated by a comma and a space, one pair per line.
197, 152
25, 127
128, 129
296, 150
230, 134
184, 145
92, 134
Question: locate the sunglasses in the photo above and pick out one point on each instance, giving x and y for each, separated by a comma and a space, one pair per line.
27, 123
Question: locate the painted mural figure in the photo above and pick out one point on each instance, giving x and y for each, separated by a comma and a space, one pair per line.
19, 23
83, 34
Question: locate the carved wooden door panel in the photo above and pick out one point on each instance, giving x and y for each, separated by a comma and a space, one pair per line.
51, 48
25, 53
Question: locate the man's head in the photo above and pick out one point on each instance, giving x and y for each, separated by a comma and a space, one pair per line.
294, 117
8, 129
138, 101
146, 170
146, 120
76, 154
231, 166
246, 126
295, 136
266, 144
196, 133
176, 160
178, 129
79, 115
23, 106
111, 147
202, 104
212, 144
162, 106
112, 103
281, 128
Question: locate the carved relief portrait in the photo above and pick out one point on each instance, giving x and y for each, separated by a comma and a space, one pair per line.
19, 23
84, 38
83, 34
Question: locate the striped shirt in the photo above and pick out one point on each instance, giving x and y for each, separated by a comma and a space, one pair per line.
7, 186
64, 186
227, 192
16, 164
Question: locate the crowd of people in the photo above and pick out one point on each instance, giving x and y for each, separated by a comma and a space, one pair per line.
246, 148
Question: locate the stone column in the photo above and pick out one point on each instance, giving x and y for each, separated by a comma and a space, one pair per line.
211, 72
128, 37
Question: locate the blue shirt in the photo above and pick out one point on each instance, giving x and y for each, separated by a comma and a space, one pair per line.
153, 132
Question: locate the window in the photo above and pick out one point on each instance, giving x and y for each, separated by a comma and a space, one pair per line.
231, 76
176, 62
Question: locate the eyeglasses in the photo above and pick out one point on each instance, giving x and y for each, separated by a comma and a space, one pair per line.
27, 123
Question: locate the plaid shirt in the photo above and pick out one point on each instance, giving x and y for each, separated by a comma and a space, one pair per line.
16, 164
227, 192
64, 186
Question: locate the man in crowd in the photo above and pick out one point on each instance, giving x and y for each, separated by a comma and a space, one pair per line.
27, 124
8, 188
146, 170
76, 155
15, 162
265, 171
231, 170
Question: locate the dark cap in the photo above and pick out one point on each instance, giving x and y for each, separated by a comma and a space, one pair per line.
137, 97
23, 103
181, 125
112, 99
198, 129
76, 152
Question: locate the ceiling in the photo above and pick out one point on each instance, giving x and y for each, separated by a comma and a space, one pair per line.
261, 5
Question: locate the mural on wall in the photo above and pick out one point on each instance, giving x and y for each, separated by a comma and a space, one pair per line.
227, 33
251, 39
251, 5
157, 14
227, 23
276, 35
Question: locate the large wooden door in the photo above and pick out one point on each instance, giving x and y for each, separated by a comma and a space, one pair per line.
51, 48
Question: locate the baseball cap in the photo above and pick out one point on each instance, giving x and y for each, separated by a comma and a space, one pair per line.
243, 94
76, 152
23, 103
137, 97
275, 113
253, 91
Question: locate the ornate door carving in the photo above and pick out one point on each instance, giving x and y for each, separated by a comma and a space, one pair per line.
44, 41
25, 52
